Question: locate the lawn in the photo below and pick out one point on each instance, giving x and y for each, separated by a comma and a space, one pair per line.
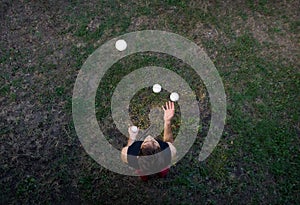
254, 45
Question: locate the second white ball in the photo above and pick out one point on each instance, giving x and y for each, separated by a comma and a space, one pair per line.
156, 88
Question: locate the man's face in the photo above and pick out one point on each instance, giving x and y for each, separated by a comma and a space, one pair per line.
150, 142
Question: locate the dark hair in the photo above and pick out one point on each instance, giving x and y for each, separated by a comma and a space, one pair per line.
154, 162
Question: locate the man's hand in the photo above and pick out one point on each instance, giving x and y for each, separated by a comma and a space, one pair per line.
169, 111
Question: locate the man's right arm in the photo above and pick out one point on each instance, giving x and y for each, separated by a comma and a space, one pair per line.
168, 135
169, 111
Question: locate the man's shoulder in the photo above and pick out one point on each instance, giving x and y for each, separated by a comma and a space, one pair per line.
171, 145
173, 150
124, 154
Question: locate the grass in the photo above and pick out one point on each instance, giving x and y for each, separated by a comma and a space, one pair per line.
256, 160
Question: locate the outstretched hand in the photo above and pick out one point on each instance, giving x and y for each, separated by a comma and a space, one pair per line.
169, 111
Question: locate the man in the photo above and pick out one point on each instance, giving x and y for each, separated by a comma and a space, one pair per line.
151, 146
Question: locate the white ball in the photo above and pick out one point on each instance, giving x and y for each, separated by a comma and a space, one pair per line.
156, 88
121, 45
134, 129
174, 97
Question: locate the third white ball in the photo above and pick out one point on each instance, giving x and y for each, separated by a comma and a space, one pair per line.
174, 97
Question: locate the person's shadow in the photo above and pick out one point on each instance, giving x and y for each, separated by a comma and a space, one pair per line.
156, 124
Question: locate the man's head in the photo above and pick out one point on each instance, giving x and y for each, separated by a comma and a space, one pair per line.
149, 148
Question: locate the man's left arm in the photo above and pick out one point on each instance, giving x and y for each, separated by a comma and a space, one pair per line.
131, 139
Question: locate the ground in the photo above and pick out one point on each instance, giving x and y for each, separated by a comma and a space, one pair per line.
254, 46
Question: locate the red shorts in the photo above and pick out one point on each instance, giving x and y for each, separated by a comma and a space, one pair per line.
161, 174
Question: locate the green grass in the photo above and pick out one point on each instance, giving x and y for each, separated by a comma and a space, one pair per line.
257, 158
264, 138
27, 187
295, 26
262, 6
